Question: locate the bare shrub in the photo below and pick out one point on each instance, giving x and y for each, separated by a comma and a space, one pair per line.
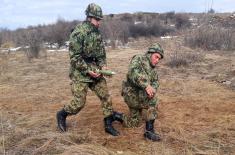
179, 59
168, 16
6, 36
182, 21
127, 17
122, 27
33, 42
115, 30
60, 32
152, 29
211, 38
138, 30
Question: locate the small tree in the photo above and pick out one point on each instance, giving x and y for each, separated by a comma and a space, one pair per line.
6, 35
32, 42
115, 30
182, 21
167, 16
60, 32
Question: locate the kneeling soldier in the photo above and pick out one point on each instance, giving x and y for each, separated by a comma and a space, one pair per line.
139, 91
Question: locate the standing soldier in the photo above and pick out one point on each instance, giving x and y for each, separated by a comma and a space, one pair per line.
139, 91
87, 54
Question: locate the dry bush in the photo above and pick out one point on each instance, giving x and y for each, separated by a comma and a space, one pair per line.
179, 59
151, 29
114, 30
33, 40
5, 36
167, 17
59, 32
182, 21
125, 26
211, 38
127, 17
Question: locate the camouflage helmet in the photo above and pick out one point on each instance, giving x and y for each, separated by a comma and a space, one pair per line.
94, 10
156, 48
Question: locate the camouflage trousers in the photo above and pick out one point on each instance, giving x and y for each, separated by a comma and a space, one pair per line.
79, 90
140, 106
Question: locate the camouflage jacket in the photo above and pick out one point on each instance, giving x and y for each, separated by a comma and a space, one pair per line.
86, 51
141, 73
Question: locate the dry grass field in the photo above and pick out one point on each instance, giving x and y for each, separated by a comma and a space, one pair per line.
196, 110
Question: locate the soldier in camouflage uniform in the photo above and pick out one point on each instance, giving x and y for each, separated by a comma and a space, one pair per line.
87, 53
139, 91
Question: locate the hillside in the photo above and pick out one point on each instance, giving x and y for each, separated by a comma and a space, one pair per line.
196, 111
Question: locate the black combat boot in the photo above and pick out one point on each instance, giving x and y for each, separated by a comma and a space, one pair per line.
61, 120
150, 133
118, 117
108, 126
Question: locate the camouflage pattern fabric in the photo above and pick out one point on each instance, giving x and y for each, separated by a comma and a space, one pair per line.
79, 90
140, 75
94, 10
156, 48
86, 51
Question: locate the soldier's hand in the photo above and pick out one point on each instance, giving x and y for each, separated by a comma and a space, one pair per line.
105, 68
94, 74
150, 91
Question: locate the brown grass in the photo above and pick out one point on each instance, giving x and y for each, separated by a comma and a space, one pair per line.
196, 114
